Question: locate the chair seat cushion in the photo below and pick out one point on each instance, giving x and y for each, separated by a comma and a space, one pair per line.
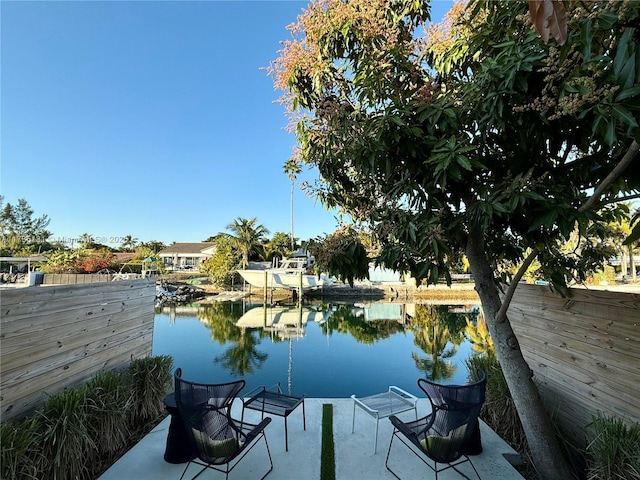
216, 448
439, 446
434, 443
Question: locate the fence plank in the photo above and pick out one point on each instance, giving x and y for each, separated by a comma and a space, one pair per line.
26, 348
37, 398
584, 351
55, 337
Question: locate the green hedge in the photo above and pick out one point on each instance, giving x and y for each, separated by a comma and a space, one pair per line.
79, 431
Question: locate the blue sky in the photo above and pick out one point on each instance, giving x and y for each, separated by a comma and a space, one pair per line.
149, 119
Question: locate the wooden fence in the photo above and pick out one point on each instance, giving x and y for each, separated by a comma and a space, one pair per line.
59, 336
75, 278
584, 351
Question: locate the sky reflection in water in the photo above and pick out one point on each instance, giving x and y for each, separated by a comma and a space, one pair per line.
321, 350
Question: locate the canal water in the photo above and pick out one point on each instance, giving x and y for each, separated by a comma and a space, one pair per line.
321, 349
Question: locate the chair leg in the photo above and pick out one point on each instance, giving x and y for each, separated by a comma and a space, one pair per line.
467, 459
187, 468
269, 454
435, 464
386, 463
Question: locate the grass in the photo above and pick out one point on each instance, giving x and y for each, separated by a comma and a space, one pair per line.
614, 451
327, 453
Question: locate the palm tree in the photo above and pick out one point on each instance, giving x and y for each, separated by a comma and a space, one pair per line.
128, 243
247, 236
292, 169
85, 240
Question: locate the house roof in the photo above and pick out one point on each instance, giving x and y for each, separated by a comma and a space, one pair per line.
123, 256
184, 248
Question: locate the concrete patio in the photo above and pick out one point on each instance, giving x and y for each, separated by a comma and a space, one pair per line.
355, 459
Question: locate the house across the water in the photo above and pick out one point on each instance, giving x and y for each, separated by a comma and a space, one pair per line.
186, 256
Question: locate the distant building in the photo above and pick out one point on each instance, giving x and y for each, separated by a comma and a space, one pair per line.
123, 257
186, 256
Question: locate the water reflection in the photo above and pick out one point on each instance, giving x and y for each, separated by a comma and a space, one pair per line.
367, 324
438, 331
344, 347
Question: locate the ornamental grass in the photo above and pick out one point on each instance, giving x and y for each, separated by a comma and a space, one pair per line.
79, 432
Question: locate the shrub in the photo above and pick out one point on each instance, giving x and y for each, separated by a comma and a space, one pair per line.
614, 451
108, 401
150, 382
78, 431
18, 459
63, 438
222, 266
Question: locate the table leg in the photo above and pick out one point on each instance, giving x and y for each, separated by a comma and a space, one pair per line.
353, 419
286, 435
304, 417
375, 442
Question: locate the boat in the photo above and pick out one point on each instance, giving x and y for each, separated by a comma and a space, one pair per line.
285, 321
291, 274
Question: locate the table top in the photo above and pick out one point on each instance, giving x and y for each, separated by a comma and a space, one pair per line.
387, 403
273, 402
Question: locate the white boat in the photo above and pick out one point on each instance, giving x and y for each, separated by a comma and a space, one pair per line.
268, 316
291, 274
286, 322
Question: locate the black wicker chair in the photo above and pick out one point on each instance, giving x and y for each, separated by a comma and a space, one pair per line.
218, 440
444, 435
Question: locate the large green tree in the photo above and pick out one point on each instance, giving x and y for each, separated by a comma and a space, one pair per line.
20, 231
478, 137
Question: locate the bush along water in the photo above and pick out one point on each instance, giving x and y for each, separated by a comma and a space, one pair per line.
80, 431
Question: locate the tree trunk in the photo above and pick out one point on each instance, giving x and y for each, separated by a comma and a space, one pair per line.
545, 448
632, 264
623, 262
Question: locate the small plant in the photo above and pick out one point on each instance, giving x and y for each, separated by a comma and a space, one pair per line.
18, 456
614, 451
150, 382
64, 438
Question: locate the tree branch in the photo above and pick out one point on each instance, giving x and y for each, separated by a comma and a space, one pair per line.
590, 203
620, 199
501, 315
613, 175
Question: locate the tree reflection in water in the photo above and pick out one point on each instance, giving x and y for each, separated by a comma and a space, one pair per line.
243, 356
438, 332
348, 319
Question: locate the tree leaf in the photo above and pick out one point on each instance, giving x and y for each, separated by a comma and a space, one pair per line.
549, 18
624, 116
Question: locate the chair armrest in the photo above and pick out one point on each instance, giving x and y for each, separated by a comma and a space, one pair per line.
404, 429
413, 433
256, 430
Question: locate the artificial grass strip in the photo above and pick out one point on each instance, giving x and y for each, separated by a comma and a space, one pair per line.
327, 454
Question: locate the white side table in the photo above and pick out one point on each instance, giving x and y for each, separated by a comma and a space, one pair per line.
383, 405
